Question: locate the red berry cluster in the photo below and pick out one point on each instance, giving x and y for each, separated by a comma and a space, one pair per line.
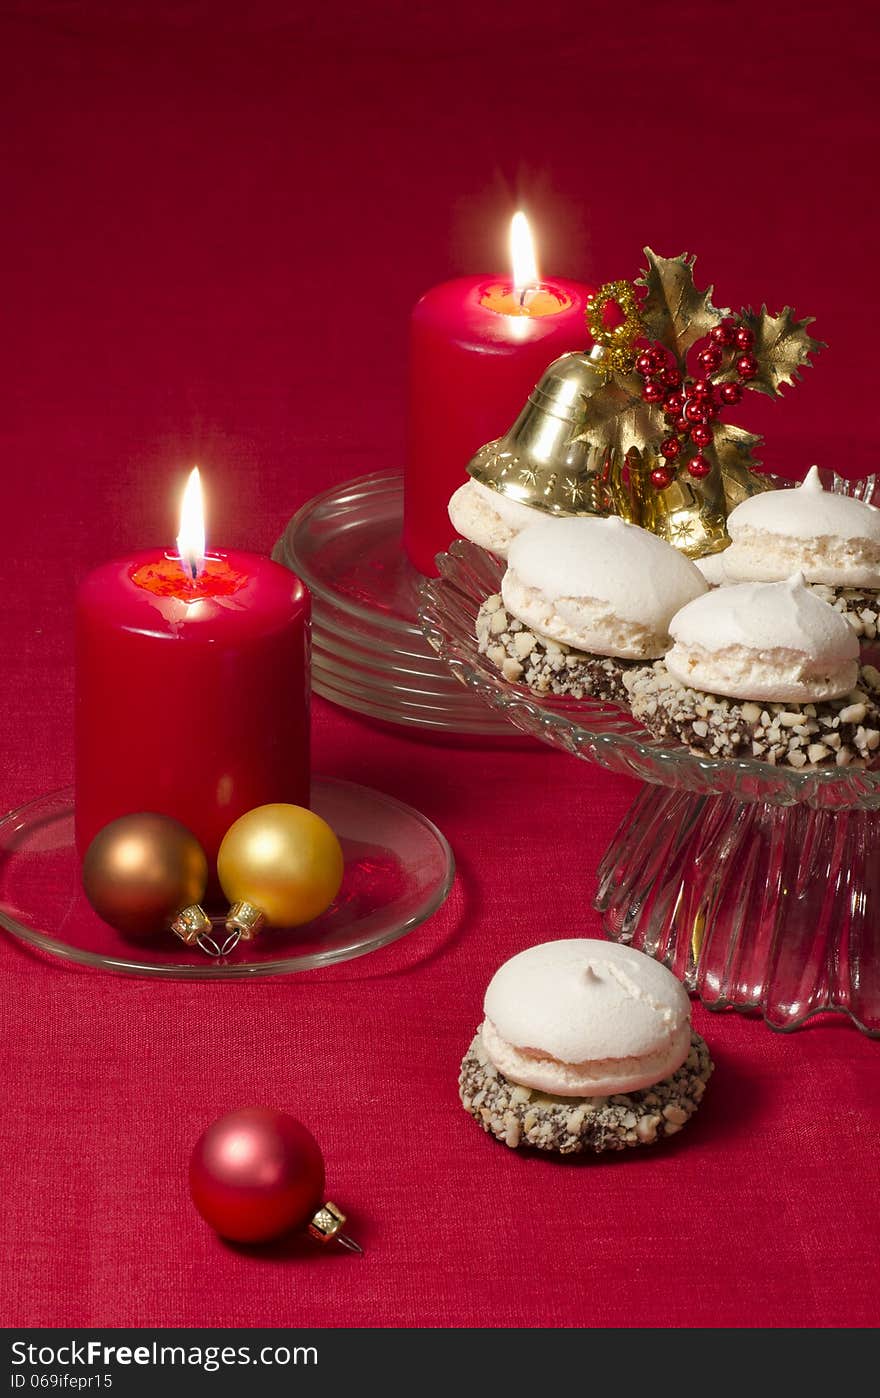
689, 405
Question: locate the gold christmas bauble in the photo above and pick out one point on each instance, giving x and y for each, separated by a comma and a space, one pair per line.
141, 870
284, 860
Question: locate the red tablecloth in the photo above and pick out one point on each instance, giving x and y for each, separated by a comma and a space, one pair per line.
216, 218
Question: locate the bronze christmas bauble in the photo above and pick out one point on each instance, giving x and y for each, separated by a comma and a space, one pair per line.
283, 860
141, 870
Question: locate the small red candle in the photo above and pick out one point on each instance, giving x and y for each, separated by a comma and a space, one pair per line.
478, 346
192, 687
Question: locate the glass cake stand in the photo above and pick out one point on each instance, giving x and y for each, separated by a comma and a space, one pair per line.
369, 653
758, 886
398, 871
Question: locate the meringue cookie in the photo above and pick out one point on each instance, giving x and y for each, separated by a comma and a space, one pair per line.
489, 518
600, 585
773, 641
711, 565
584, 1018
830, 538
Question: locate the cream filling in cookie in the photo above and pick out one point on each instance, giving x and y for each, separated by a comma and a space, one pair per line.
756, 555
604, 1077
742, 672
587, 623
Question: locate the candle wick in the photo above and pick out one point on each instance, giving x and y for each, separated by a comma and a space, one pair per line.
190, 569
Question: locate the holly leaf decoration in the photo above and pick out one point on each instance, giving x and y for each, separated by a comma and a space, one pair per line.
674, 312
617, 417
735, 447
782, 348
734, 452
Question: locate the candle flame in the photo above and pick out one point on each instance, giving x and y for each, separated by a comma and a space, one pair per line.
522, 253
191, 539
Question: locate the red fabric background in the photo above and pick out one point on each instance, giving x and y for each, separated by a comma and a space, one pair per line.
216, 219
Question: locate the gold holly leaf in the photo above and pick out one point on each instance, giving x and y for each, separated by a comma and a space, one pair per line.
674, 312
734, 451
617, 417
734, 446
782, 347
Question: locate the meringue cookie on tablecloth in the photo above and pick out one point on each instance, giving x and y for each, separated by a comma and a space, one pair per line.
585, 1046
583, 1018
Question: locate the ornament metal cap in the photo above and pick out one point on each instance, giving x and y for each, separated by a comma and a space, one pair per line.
246, 919
326, 1226
194, 928
544, 460
190, 923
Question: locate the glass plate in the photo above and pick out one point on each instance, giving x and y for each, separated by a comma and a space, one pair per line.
398, 870
371, 654
607, 733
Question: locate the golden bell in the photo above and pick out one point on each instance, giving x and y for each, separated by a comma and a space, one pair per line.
690, 514
544, 459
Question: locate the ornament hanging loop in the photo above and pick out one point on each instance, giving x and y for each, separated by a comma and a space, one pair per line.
195, 929
211, 947
345, 1241
230, 943
206, 943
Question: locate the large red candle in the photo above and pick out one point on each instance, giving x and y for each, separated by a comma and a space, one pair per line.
478, 346
192, 693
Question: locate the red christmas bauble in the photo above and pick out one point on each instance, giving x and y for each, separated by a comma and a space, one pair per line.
701, 435
744, 338
683, 427
670, 448
698, 466
256, 1174
747, 366
652, 392
730, 393
645, 364
670, 377
661, 477
673, 404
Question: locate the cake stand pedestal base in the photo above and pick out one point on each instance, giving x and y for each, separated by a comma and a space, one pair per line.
757, 907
